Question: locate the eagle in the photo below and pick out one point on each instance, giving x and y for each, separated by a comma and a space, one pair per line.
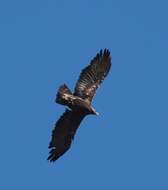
78, 103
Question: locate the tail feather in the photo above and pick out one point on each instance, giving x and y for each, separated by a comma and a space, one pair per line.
62, 91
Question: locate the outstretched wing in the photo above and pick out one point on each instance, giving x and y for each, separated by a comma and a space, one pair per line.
92, 76
63, 133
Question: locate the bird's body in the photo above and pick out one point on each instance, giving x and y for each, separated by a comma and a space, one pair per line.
65, 97
79, 103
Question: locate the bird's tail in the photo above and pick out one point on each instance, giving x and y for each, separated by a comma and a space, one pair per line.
63, 94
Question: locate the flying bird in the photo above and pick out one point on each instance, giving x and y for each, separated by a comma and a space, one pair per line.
78, 103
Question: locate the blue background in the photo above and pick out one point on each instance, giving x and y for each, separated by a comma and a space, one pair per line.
44, 44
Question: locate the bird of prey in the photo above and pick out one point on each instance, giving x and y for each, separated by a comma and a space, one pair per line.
78, 103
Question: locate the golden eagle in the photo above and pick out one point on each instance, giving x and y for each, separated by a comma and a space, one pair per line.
79, 103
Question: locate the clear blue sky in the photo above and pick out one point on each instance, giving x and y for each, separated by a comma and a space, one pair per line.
44, 44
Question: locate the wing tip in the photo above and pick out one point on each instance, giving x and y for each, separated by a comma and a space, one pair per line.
53, 156
103, 50
106, 52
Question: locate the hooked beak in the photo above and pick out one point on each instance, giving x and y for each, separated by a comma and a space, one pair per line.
96, 113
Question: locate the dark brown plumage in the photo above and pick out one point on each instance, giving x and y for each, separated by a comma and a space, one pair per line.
79, 103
